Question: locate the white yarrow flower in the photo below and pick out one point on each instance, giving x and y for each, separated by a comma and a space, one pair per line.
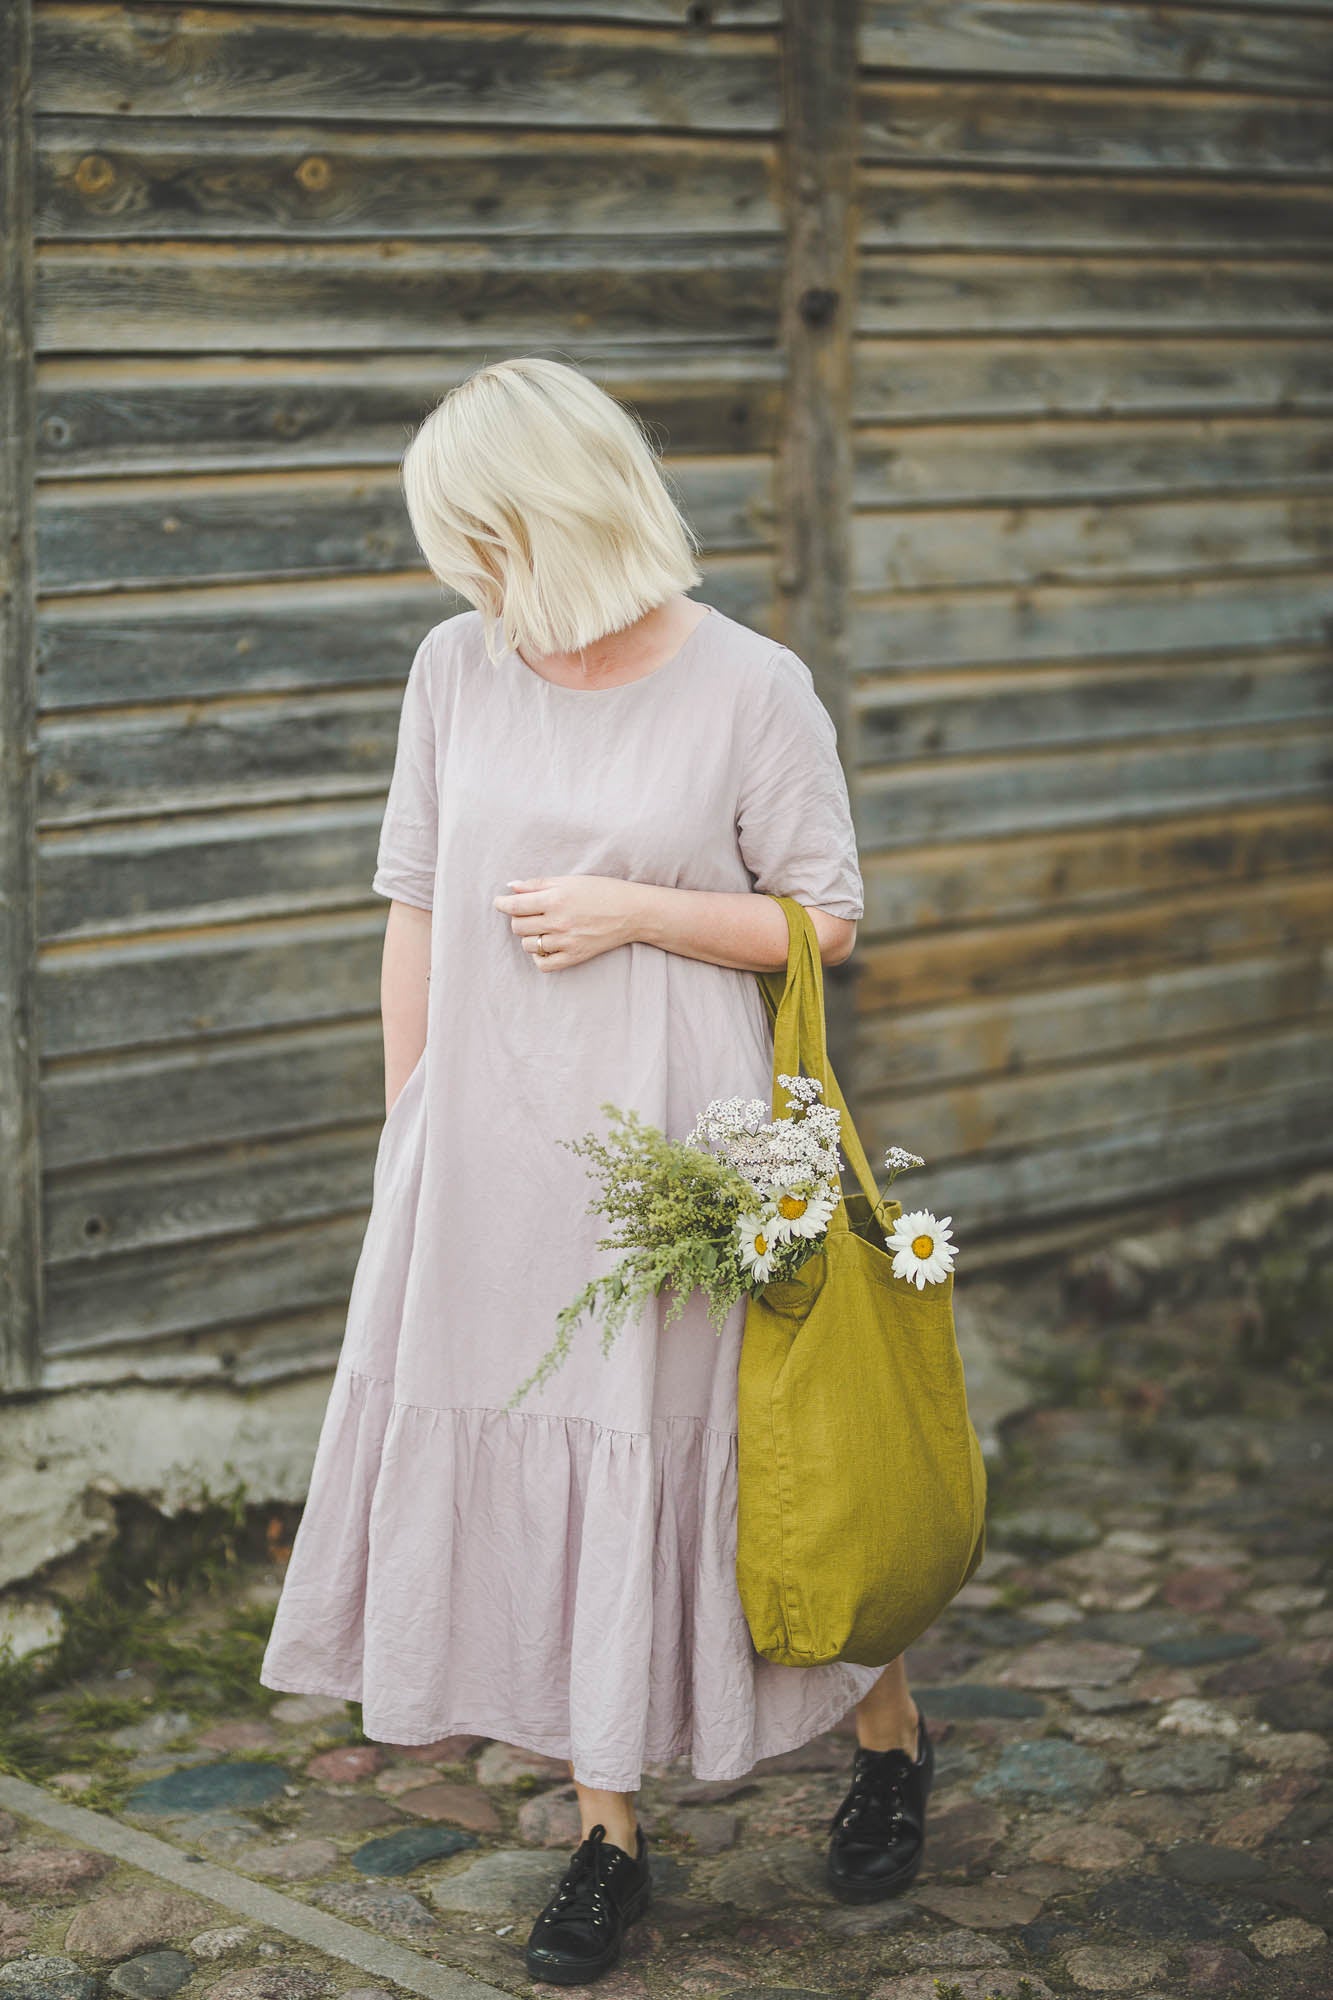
780, 1154
802, 1089
898, 1159
922, 1251
728, 1119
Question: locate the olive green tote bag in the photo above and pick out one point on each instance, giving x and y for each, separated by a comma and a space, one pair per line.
861, 1500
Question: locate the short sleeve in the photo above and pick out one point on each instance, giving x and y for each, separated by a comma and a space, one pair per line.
794, 817
405, 863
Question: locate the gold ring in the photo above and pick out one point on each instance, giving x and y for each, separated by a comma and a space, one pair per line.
541, 948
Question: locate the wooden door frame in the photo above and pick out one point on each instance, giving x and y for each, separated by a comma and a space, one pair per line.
814, 473
20, 1152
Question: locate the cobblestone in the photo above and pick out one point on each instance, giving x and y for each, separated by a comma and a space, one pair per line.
500, 1881
503, 1764
152, 1975
1288, 1936
50, 1871
981, 1906
398, 1853
551, 1819
205, 1787
347, 1765
460, 1805
45, 1976
394, 1912
287, 1861
1133, 1794
272, 1982
708, 1830
223, 1941
1048, 1771
167, 1726
115, 1926
955, 1948
1114, 1968
1087, 1846
1178, 1767
997, 1985
1217, 1969
1067, 1663
1299, 1750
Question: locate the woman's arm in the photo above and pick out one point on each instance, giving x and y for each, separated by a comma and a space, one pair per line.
404, 971
730, 927
578, 916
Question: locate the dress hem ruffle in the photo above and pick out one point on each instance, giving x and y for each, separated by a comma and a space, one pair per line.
496, 1732
588, 1571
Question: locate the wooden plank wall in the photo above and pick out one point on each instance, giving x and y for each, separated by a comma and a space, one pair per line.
1088, 609
268, 241
1092, 550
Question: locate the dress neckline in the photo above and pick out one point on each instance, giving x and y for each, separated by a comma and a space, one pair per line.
616, 687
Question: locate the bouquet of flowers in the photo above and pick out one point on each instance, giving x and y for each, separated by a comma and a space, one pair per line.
742, 1202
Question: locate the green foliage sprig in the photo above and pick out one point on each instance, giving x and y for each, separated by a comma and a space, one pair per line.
673, 1210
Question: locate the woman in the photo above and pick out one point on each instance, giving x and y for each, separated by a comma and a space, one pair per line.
597, 782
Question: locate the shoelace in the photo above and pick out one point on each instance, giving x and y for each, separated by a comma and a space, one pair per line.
581, 1893
875, 1803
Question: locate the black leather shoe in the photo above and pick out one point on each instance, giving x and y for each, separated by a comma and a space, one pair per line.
879, 1830
579, 1933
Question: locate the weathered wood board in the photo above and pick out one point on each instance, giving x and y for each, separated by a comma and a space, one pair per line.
1092, 626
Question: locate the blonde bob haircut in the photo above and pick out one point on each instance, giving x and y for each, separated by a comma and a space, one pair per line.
540, 499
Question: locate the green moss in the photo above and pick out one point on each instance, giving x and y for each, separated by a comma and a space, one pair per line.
951, 1990
93, 1714
1292, 1328
158, 1603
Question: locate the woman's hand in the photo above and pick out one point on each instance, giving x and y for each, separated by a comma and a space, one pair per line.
563, 920
576, 917
404, 973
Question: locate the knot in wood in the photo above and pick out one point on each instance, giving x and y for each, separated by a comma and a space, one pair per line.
818, 305
94, 174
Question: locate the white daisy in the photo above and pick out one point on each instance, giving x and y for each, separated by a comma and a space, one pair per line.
801, 1214
921, 1247
758, 1247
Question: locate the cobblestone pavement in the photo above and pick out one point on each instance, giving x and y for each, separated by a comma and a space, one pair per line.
1129, 1703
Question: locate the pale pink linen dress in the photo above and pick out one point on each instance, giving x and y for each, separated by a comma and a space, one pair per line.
560, 1576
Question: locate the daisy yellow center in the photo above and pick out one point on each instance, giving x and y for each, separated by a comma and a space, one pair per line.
761, 1246
922, 1245
792, 1206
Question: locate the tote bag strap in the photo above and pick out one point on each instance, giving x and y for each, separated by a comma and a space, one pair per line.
800, 1039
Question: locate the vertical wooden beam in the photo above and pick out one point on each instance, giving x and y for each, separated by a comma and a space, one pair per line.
20, 1167
819, 48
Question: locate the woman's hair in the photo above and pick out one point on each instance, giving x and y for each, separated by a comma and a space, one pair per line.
540, 499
